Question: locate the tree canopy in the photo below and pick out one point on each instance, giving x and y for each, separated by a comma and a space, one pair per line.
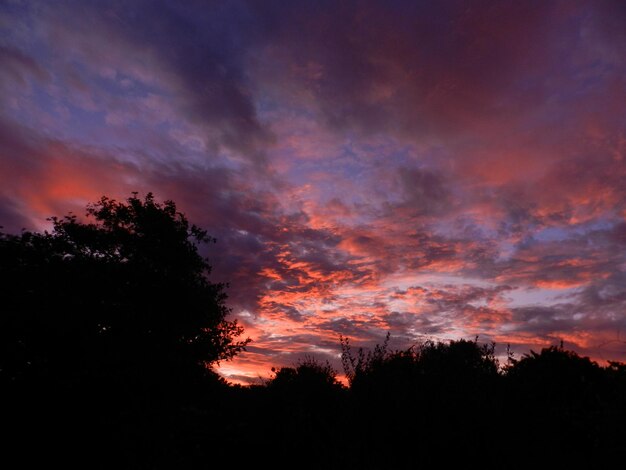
122, 293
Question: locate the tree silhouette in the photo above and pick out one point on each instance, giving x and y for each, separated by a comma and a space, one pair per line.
124, 295
307, 402
556, 398
108, 327
437, 394
309, 378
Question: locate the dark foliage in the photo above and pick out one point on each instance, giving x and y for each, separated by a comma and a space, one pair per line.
126, 293
566, 403
107, 329
306, 403
110, 315
307, 380
422, 390
450, 401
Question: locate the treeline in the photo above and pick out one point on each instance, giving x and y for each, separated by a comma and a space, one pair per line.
434, 404
445, 402
109, 328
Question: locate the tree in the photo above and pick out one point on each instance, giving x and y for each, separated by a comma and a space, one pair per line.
309, 378
437, 396
307, 403
557, 387
123, 296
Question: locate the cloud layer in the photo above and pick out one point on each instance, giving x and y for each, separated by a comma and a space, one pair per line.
437, 170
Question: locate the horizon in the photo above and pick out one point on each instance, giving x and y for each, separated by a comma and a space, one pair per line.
436, 171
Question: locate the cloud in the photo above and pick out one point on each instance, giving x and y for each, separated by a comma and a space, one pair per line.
193, 56
436, 169
19, 67
13, 221
425, 191
416, 69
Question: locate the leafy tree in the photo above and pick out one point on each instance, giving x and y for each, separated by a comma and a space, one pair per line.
309, 377
555, 372
307, 399
557, 387
449, 364
357, 365
434, 395
122, 296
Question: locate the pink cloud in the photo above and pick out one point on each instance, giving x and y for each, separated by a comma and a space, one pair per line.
365, 167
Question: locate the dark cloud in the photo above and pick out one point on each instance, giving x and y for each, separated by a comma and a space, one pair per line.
618, 233
441, 311
426, 325
18, 67
351, 327
605, 297
17, 148
425, 191
543, 320
288, 311
196, 53
412, 68
12, 219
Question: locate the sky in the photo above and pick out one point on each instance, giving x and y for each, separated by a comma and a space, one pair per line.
436, 170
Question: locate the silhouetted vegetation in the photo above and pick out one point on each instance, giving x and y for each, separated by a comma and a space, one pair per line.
114, 316
108, 329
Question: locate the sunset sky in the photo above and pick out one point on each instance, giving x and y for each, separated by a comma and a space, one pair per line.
436, 169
